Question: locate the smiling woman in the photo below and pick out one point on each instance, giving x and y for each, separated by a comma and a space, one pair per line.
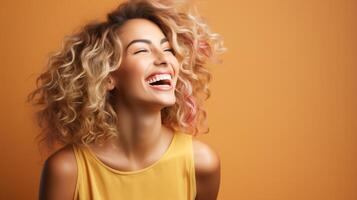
124, 98
148, 60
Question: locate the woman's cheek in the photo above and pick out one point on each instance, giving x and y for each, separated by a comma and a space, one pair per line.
136, 74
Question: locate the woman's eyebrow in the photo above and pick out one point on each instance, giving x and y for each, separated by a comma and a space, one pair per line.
163, 40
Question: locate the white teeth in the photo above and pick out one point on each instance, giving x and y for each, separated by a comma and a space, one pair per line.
159, 77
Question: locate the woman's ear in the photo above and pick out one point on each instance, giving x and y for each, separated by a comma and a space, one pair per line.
110, 83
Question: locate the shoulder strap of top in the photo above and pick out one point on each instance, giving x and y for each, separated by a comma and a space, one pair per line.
192, 167
78, 153
184, 142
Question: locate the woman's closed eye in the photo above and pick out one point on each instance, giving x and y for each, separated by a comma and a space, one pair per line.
170, 50
141, 50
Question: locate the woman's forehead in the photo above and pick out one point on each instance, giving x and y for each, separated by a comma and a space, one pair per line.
135, 29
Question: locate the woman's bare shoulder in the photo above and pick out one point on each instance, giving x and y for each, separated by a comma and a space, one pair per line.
62, 161
207, 170
59, 175
206, 158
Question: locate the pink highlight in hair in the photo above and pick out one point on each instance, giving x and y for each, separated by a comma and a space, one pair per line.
204, 48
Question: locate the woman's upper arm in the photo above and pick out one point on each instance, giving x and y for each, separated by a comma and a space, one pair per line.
59, 176
207, 168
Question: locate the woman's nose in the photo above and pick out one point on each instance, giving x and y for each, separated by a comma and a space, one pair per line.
160, 58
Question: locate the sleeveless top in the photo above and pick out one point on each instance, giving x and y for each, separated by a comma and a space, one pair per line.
172, 177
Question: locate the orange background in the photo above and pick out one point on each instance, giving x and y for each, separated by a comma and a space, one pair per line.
283, 108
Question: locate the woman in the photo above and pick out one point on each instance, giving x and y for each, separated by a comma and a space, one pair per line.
124, 98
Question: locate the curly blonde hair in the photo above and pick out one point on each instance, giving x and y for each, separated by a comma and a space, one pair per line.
76, 107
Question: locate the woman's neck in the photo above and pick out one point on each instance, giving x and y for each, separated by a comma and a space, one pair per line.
140, 130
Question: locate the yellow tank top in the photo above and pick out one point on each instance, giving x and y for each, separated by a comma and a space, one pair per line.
172, 177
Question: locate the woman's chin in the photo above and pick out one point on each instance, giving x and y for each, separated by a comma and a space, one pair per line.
165, 102
168, 103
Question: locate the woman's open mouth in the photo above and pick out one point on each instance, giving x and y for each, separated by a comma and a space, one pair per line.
161, 82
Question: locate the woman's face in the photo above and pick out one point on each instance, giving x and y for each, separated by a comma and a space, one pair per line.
147, 59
